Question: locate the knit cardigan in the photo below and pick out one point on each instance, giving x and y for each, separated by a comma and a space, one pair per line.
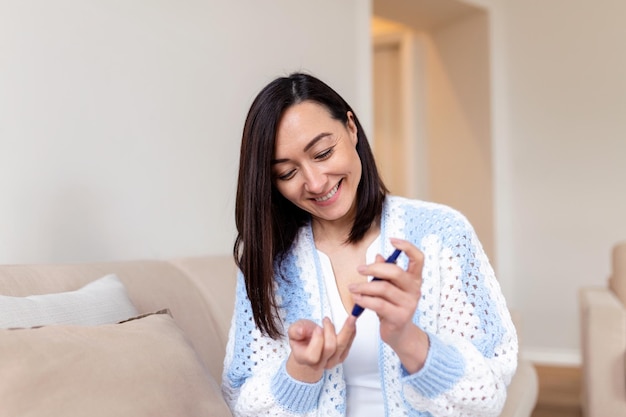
473, 343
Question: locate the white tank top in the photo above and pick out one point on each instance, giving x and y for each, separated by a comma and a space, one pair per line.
361, 367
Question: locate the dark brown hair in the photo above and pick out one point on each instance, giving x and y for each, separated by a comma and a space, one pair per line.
267, 223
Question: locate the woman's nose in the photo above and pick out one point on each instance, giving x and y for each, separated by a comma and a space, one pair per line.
314, 181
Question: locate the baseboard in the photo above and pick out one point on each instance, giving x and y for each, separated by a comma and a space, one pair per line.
555, 357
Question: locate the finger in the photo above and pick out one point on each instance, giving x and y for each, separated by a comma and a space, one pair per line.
312, 354
407, 279
347, 334
343, 342
387, 288
382, 270
412, 282
346, 337
330, 338
370, 299
301, 330
384, 299
306, 339
415, 256
348, 331
394, 292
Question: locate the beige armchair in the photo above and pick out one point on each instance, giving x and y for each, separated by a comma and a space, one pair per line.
603, 342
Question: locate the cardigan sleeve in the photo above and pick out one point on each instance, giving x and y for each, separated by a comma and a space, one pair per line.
473, 343
255, 381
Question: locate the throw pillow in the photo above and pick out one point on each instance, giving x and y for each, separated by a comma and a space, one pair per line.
103, 301
140, 368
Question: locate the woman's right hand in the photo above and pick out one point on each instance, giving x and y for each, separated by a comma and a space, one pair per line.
315, 348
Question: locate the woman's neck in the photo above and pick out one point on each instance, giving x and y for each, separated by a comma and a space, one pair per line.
330, 235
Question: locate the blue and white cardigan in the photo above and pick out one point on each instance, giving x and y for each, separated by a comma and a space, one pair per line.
473, 344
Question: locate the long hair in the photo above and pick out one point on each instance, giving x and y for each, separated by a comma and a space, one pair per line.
267, 223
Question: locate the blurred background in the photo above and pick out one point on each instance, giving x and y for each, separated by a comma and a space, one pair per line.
120, 124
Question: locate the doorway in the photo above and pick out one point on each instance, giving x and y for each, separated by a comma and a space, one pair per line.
432, 109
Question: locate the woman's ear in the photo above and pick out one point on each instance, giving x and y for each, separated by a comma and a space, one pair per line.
352, 129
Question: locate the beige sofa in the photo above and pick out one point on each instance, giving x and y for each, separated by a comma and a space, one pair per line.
151, 366
603, 342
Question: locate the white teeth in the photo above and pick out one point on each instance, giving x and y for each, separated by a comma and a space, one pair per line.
329, 195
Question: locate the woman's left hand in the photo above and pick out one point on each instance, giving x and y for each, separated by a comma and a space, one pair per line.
394, 299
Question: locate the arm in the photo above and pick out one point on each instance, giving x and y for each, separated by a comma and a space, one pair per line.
459, 350
473, 343
263, 376
255, 381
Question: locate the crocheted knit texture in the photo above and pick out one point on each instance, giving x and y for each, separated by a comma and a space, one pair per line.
473, 344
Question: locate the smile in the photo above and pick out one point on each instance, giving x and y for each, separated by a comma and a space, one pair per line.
330, 194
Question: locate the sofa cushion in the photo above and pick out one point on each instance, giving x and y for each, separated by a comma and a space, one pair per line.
103, 301
151, 285
142, 367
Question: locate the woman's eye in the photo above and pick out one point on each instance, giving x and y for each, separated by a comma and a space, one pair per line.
325, 154
287, 175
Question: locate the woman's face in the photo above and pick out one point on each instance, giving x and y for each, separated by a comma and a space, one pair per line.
316, 165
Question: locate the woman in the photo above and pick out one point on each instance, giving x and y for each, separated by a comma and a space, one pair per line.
313, 219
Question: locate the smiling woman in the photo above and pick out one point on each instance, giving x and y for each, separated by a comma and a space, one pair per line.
313, 218
319, 175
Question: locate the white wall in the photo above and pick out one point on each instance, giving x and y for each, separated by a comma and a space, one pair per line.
559, 158
558, 105
120, 125
120, 121
458, 120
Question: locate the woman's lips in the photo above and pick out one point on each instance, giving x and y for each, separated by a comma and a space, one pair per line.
330, 194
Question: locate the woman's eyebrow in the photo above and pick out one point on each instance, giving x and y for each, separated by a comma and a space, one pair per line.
306, 148
315, 140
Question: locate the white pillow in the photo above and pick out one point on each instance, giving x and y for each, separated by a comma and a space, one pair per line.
103, 301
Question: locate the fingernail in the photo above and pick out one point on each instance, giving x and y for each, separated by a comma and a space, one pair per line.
361, 268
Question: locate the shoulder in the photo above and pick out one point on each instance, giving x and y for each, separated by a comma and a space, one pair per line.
427, 210
417, 220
